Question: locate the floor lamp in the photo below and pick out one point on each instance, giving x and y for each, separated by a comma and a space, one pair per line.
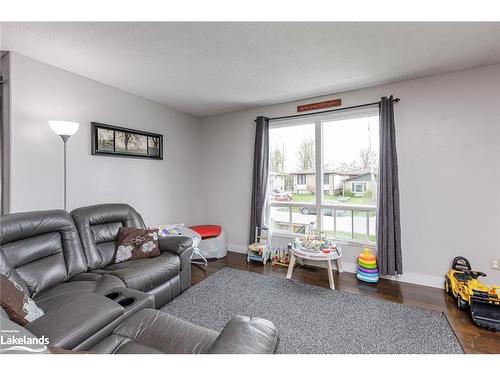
64, 129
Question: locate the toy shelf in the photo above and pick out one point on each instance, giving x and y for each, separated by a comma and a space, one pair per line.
281, 264
257, 258
259, 251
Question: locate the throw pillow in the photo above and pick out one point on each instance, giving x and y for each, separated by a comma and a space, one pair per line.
135, 243
18, 306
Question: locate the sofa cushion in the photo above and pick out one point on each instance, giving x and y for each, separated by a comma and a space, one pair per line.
98, 226
20, 308
63, 293
151, 331
136, 243
42, 247
146, 273
72, 323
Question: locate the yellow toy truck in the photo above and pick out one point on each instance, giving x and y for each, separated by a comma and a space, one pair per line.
462, 283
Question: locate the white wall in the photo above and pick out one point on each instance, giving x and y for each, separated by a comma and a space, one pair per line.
162, 191
448, 129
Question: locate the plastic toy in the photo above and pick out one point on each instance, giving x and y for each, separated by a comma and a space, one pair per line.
170, 232
462, 283
281, 256
213, 242
367, 267
315, 241
260, 250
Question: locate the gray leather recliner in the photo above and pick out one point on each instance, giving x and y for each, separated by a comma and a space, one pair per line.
151, 331
165, 276
41, 251
154, 332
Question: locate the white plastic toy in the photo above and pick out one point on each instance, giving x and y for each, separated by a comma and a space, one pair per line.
213, 244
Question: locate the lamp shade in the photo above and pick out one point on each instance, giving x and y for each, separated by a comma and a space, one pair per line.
64, 127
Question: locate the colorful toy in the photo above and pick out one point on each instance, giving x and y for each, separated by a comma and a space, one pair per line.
281, 256
260, 250
315, 241
367, 267
484, 301
170, 232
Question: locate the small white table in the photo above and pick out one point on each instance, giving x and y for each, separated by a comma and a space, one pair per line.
303, 254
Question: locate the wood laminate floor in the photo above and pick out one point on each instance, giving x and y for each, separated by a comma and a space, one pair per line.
472, 338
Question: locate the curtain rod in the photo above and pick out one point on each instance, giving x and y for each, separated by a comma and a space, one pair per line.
330, 110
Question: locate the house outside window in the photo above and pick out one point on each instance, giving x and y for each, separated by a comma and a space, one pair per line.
342, 149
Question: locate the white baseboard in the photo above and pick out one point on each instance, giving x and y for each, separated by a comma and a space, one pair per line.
237, 248
415, 278
411, 278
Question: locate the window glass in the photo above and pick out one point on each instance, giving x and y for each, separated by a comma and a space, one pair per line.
301, 179
292, 164
350, 155
350, 170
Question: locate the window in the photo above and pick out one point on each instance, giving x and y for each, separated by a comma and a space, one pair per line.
358, 187
342, 201
292, 154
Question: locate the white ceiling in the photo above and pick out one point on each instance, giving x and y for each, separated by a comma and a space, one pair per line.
210, 68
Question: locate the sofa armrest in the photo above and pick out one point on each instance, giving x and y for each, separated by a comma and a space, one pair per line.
244, 335
175, 244
183, 248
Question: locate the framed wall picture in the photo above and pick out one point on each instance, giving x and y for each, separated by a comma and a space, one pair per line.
117, 141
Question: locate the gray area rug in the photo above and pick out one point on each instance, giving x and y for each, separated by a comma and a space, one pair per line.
311, 319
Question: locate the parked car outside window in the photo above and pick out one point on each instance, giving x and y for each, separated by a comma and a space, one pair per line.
282, 196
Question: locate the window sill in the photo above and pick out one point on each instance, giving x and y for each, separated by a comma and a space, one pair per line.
339, 241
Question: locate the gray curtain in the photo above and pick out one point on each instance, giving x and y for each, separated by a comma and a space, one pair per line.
260, 174
388, 226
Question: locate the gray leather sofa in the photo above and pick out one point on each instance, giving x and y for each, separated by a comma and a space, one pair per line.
165, 277
92, 304
43, 252
147, 331
151, 331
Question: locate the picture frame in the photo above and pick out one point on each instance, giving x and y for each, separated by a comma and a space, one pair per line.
109, 140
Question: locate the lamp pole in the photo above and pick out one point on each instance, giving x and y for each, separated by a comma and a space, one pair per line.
65, 140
